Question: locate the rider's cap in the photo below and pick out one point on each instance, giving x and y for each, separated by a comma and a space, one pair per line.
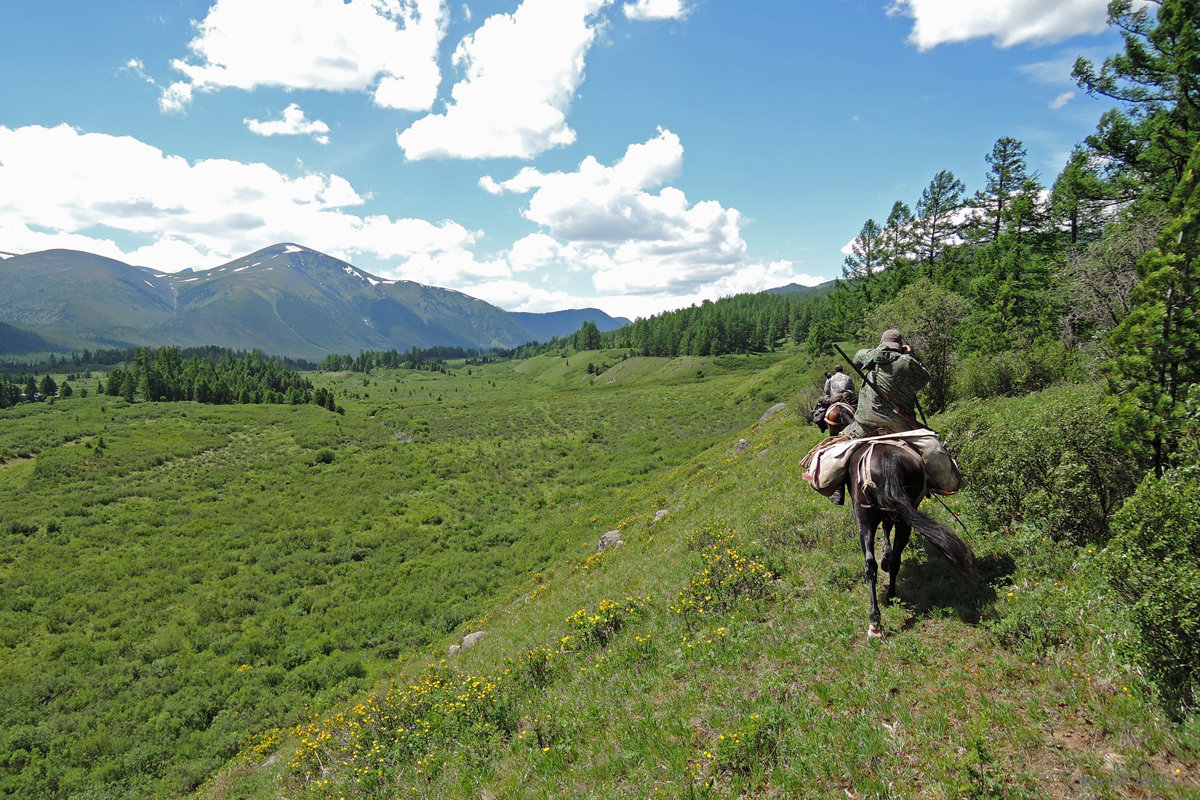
891, 339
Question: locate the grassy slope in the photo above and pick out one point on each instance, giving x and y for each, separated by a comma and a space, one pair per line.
173, 577
772, 691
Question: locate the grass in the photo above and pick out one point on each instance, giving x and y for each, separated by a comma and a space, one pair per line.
718, 652
774, 690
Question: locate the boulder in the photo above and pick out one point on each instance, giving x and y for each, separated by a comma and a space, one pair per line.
471, 639
772, 411
741, 445
608, 540
662, 512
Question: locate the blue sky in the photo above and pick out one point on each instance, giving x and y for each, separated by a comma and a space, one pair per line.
538, 154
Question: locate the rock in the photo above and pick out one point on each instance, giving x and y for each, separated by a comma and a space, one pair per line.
453, 651
772, 411
662, 512
761, 453
471, 639
741, 445
608, 539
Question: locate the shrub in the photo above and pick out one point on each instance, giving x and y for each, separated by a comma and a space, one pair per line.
1153, 561
1013, 372
1054, 461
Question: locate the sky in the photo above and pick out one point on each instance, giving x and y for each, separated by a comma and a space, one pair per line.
632, 155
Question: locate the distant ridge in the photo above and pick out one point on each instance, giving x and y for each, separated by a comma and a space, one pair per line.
285, 299
796, 288
546, 326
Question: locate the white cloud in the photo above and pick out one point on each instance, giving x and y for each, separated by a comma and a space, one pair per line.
643, 251
517, 296
521, 73
292, 123
1062, 100
656, 9
1007, 22
387, 46
86, 191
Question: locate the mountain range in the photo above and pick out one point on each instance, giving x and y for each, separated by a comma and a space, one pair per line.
285, 299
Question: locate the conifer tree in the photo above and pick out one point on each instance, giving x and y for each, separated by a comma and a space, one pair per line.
1158, 76
934, 224
1157, 347
1007, 176
865, 261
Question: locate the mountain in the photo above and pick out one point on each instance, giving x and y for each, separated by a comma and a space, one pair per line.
562, 323
796, 288
286, 299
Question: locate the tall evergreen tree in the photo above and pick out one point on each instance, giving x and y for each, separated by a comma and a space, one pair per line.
1157, 346
1158, 76
935, 210
1007, 176
864, 261
1080, 196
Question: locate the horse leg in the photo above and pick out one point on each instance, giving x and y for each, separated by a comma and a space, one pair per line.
903, 531
887, 547
866, 537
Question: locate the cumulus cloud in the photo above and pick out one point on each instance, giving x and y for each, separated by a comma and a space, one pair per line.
522, 71
655, 9
642, 244
292, 123
389, 47
1007, 22
65, 188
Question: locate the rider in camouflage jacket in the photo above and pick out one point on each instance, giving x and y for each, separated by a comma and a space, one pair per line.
892, 367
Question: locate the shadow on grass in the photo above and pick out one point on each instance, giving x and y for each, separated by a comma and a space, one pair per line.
933, 583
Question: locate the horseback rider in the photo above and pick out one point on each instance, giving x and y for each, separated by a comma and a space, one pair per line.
898, 375
838, 388
839, 383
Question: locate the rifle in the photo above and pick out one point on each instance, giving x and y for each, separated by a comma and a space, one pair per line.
906, 417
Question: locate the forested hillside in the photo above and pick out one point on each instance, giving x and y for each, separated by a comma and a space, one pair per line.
410, 598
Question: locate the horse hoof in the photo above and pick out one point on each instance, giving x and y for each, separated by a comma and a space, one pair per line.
874, 631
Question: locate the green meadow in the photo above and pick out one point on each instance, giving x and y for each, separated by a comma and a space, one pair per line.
178, 576
257, 601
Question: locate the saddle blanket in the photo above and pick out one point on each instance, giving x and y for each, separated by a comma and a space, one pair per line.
827, 463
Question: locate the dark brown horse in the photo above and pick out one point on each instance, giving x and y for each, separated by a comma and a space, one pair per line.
887, 483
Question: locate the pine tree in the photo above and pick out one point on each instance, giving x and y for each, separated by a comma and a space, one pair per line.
1158, 77
1157, 346
935, 210
1007, 176
1079, 197
865, 261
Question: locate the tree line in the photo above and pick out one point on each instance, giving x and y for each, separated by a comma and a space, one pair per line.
165, 375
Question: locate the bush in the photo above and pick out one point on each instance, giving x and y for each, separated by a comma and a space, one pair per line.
1153, 561
1013, 372
1054, 461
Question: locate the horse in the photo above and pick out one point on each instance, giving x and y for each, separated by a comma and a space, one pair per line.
887, 482
839, 415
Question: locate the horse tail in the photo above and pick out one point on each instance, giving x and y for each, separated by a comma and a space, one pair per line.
892, 493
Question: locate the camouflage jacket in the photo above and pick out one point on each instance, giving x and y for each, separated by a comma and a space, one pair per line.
900, 377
